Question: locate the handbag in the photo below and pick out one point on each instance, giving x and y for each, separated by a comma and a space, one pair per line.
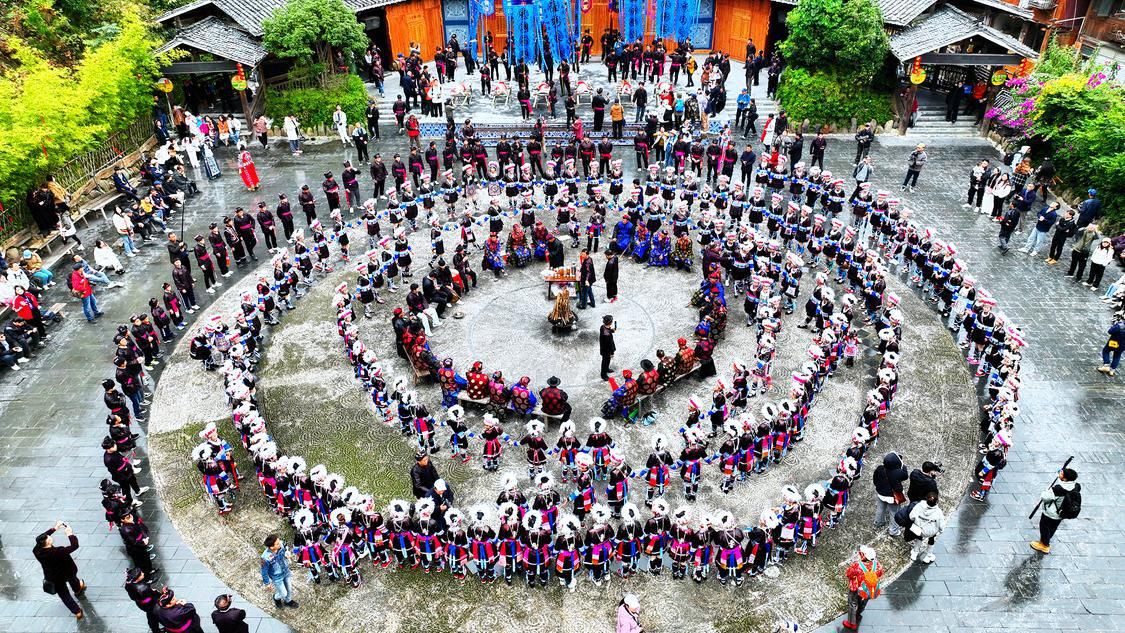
49, 587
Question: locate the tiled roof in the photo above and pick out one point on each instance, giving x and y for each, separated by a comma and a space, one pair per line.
249, 14
948, 26
220, 38
895, 12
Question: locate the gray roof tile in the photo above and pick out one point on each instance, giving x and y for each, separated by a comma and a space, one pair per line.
221, 38
946, 26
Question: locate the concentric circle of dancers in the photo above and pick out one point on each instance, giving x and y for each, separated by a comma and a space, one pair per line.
757, 249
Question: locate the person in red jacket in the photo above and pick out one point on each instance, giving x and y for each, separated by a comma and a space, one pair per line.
26, 306
863, 576
82, 289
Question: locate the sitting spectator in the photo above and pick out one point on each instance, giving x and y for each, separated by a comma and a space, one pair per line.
106, 259
94, 275
20, 332
33, 264
181, 182
122, 185
11, 355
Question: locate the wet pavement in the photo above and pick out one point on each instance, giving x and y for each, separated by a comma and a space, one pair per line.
985, 577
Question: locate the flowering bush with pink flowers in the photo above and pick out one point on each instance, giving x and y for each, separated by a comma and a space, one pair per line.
1076, 114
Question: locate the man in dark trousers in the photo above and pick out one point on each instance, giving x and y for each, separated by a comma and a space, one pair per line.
598, 104
142, 593
816, 150
586, 279
1053, 508
863, 140
373, 119
121, 471
58, 566
135, 537
610, 275
228, 619
606, 345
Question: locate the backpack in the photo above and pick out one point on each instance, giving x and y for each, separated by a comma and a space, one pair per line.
1070, 504
902, 516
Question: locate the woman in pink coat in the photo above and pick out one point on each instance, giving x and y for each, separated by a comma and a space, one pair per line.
628, 612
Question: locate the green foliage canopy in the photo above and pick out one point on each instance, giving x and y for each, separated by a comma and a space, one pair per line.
828, 97
305, 30
314, 106
50, 113
845, 36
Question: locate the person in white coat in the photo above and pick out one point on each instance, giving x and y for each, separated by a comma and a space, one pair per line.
292, 134
927, 521
340, 120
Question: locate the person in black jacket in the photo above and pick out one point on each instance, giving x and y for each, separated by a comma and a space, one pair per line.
135, 537
142, 594
423, 474
888, 478
606, 344
586, 279
228, 619
923, 481
610, 275
1065, 229
59, 568
121, 470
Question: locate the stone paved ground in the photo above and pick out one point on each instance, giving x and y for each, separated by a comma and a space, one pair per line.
985, 577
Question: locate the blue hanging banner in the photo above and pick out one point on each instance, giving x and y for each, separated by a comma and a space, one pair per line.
676, 19
687, 13
555, 15
524, 29
633, 19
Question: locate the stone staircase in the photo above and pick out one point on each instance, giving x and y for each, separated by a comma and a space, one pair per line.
931, 122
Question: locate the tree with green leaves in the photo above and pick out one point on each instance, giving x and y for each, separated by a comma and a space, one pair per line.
307, 31
845, 36
49, 113
835, 51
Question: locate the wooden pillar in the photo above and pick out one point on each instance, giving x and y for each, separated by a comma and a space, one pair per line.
986, 125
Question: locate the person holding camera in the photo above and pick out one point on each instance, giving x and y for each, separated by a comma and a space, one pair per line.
59, 568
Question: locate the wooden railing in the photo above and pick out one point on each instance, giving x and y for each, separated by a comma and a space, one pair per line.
76, 173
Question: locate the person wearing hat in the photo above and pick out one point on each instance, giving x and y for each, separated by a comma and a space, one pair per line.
863, 576
81, 288
176, 615
606, 344
121, 469
1089, 209
142, 593
228, 619
59, 569
1058, 503
136, 539
628, 615
914, 164
554, 400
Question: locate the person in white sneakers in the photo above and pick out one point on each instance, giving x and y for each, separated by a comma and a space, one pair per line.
927, 521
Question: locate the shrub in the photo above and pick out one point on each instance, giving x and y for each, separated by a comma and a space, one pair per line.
824, 97
305, 30
50, 113
844, 36
314, 106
